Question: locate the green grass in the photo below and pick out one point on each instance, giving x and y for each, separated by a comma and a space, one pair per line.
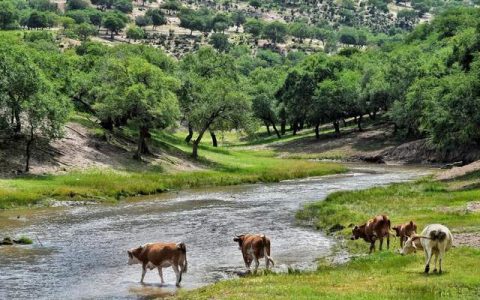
222, 167
382, 275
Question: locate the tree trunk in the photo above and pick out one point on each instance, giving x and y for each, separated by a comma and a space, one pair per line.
28, 151
336, 125
214, 138
283, 124
276, 131
359, 123
268, 128
196, 142
344, 123
317, 130
294, 128
18, 124
190, 134
142, 147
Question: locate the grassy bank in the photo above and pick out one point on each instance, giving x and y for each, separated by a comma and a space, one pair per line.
222, 167
382, 275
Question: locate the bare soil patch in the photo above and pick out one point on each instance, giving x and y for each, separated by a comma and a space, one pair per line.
467, 239
79, 149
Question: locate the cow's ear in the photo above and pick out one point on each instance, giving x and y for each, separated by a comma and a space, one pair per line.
356, 227
129, 253
411, 223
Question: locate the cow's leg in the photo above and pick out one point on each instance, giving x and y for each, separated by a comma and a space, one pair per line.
401, 242
257, 263
144, 271
267, 262
388, 240
160, 273
440, 254
435, 262
428, 253
381, 244
178, 274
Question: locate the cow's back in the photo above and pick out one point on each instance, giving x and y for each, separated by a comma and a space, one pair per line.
159, 252
427, 231
253, 242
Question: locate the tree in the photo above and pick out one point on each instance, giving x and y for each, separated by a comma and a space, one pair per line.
300, 30
114, 23
255, 3
125, 6
254, 27
238, 18
142, 21
157, 17
8, 15
220, 22
45, 115
37, 20
135, 33
211, 95
19, 82
220, 42
77, 4
85, 30
138, 92
275, 31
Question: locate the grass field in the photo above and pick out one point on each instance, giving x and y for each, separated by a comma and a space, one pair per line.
222, 167
382, 275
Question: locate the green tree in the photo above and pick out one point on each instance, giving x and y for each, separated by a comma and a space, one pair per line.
114, 23
238, 18
219, 41
85, 30
135, 90
275, 31
135, 33
157, 17
8, 15
211, 95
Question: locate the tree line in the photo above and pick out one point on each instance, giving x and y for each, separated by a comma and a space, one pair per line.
425, 85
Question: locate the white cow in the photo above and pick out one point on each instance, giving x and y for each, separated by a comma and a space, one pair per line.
434, 239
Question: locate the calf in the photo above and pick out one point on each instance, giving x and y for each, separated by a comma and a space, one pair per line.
160, 255
254, 247
375, 228
404, 231
434, 239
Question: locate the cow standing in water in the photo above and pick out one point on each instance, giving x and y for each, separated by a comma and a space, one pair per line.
160, 255
254, 247
375, 228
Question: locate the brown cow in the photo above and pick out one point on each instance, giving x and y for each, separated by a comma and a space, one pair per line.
404, 231
160, 255
254, 247
375, 228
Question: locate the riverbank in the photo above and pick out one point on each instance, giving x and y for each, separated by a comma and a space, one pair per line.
222, 167
386, 274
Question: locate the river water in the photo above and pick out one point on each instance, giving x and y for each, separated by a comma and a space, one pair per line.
83, 252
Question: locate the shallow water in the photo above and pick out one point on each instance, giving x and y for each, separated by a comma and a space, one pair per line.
83, 251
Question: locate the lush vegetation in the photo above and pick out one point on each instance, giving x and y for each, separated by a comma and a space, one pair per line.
382, 275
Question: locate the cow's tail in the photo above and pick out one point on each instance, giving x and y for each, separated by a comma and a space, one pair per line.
437, 235
265, 252
183, 248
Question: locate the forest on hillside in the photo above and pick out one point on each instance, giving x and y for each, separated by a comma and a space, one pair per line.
424, 83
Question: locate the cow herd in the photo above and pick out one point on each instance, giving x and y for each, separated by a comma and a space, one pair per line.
435, 240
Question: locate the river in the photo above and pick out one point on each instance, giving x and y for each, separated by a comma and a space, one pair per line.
83, 248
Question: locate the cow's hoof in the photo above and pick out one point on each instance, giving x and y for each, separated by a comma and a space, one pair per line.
178, 284
427, 269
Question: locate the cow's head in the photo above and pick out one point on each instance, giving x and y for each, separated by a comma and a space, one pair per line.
413, 227
356, 233
409, 246
239, 240
133, 255
397, 230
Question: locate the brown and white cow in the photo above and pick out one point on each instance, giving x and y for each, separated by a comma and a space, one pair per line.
160, 255
254, 247
375, 228
404, 231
